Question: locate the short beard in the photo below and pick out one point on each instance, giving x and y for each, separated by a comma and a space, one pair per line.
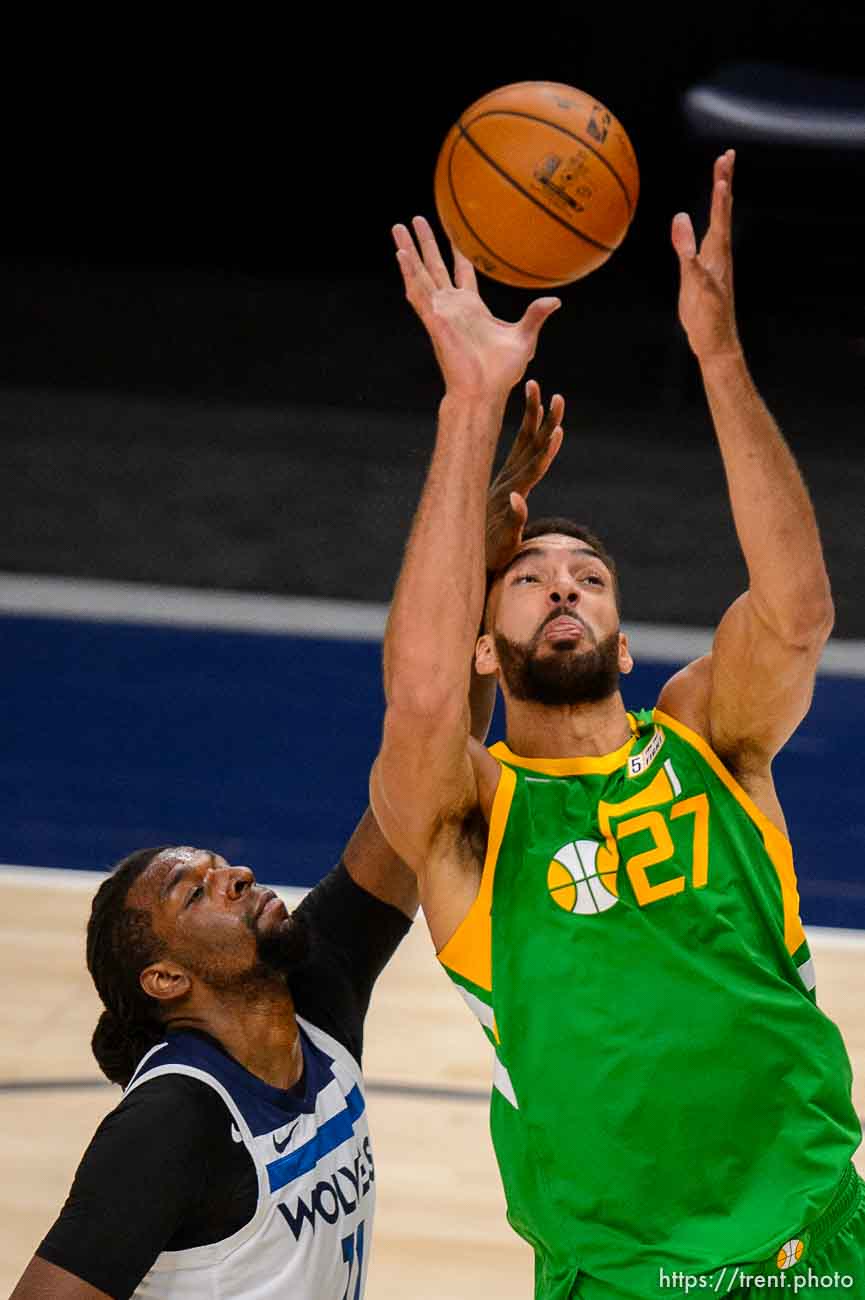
287, 949
561, 678
279, 953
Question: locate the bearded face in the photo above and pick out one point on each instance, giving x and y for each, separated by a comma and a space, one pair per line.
554, 673
279, 950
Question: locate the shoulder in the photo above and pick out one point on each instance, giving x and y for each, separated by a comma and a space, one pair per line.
170, 1107
687, 695
686, 698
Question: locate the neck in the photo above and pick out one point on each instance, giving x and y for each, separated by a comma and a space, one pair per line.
257, 1027
567, 731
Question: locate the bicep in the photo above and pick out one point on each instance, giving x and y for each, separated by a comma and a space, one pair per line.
137, 1180
748, 696
761, 685
355, 934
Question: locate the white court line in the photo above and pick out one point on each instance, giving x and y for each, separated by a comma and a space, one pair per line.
124, 602
819, 936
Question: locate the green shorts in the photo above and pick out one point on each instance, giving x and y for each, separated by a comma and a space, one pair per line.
826, 1259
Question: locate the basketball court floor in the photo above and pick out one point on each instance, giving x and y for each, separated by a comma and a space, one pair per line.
440, 1226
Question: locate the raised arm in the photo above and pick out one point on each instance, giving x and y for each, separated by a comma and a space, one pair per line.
750, 694
370, 860
425, 782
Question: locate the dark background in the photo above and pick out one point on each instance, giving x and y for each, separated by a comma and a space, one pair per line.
209, 374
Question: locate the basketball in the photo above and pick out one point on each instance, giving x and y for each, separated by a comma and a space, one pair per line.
537, 184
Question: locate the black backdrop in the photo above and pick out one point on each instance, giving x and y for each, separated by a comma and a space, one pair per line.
208, 371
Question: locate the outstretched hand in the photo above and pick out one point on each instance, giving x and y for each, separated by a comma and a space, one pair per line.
706, 307
477, 353
535, 448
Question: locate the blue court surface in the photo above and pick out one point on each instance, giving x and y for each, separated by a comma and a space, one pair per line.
258, 744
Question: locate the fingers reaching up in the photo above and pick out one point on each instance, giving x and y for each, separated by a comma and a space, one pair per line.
429, 249
706, 288
464, 271
478, 354
535, 448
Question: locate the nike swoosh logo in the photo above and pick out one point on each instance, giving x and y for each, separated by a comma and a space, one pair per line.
280, 1146
236, 1135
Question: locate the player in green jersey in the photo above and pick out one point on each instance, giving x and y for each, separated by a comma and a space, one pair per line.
613, 892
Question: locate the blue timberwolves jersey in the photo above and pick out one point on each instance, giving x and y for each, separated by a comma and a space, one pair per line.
310, 1234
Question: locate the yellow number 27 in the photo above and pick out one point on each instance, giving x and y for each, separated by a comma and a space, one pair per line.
663, 849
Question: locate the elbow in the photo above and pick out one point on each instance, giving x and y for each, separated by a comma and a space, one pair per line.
818, 619
828, 621
422, 690
425, 708
809, 624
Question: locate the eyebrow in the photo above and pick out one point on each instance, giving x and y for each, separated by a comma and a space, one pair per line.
175, 877
545, 551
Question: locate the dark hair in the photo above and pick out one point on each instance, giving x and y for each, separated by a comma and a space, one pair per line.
121, 942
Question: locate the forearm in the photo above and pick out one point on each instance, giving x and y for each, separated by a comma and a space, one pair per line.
373, 864
438, 603
772, 511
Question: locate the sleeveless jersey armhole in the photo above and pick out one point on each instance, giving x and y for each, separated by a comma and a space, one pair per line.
468, 953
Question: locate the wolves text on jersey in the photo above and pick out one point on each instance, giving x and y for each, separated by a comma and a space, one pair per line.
332, 1197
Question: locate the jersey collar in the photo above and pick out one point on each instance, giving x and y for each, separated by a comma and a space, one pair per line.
598, 764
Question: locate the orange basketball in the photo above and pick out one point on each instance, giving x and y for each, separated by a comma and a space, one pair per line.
537, 184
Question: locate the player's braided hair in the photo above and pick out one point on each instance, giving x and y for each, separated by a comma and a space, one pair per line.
120, 943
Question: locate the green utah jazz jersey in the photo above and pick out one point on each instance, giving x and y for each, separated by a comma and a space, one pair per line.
666, 1092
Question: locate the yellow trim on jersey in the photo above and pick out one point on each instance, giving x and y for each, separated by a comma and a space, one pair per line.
469, 951
600, 764
776, 843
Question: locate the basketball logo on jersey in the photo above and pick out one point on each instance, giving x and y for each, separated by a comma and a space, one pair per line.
577, 880
790, 1253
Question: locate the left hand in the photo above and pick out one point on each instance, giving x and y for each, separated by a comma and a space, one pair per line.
535, 447
706, 307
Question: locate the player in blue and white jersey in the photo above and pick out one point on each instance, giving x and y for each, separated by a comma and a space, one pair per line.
238, 1162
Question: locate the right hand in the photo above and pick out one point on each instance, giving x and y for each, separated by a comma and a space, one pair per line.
535, 448
478, 354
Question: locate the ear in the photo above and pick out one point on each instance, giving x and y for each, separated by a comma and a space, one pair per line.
165, 981
626, 663
485, 655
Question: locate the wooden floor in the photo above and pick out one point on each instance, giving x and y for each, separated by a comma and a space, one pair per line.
440, 1227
